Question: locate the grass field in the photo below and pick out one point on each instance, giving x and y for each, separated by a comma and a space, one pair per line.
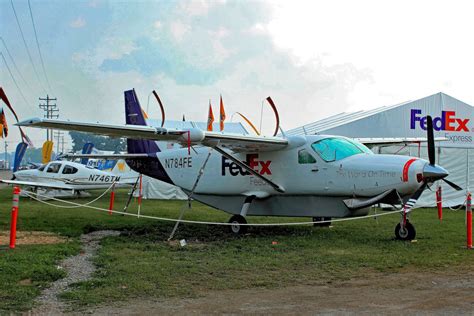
140, 263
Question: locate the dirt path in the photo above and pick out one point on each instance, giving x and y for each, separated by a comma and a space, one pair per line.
447, 293
78, 268
31, 238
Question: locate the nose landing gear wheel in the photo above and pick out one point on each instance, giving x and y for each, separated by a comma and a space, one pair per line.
235, 227
405, 233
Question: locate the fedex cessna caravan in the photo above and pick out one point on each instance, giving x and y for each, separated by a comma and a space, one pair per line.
300, 176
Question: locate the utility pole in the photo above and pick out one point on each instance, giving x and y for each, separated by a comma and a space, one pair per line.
59, 141
62, 145
59, 136
6, 155
50, 111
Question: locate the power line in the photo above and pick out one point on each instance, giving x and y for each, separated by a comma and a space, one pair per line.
13, 78
26, 46
14, 64
37, 45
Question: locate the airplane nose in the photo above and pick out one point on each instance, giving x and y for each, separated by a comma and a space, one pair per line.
434, 172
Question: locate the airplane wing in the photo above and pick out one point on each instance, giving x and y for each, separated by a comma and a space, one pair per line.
64, 186
372, 142
192, 136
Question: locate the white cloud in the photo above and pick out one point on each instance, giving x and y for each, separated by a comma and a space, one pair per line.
179, 30
157, 24
411, 48
196, 7
78, 23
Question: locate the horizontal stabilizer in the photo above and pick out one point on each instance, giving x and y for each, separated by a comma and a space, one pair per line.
103, 156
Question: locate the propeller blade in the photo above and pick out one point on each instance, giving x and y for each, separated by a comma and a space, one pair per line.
453, 185
414, 198
431, 144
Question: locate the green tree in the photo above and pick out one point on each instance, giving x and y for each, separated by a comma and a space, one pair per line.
31, 155
100, 142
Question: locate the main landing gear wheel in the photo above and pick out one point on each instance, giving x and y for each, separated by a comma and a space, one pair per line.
405, 233
327, 222
235, 227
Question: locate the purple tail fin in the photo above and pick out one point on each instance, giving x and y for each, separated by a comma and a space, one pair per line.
134, 116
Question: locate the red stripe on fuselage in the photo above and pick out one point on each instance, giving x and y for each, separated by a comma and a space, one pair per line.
406, 167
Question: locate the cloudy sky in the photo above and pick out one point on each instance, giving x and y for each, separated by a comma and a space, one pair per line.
315, 58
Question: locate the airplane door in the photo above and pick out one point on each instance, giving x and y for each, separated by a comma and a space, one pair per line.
312, 172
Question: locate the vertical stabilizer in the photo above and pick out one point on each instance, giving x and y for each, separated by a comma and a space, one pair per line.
134, 116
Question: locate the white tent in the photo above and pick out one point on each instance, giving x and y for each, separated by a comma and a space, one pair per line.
453, 119
159, 190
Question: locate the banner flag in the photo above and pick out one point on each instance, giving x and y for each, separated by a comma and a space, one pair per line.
222, 116
19, 154
210, 117
86, 150
47, 151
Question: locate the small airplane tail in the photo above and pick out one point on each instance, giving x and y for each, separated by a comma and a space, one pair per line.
134, 116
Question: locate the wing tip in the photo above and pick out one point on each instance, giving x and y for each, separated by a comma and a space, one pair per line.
29, 122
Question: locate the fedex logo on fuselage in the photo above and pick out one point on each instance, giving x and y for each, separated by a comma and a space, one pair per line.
262, 167
447, 122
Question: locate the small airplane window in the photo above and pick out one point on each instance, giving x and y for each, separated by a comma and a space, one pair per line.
334, 149
41, 168
304, 157
53, 168
69, 170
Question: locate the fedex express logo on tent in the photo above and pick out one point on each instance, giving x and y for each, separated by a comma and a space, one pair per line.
447, 122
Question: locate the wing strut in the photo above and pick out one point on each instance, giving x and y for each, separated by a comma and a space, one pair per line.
243, 165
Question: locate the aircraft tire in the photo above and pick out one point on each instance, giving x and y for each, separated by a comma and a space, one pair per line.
318, 219
237, 229
409, 233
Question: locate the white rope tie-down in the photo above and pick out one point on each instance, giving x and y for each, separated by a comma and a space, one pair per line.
34, 196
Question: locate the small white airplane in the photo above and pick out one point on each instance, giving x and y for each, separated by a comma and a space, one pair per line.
319, 176
68, 175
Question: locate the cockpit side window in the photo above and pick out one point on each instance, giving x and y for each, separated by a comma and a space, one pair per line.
53, 168
304, 157
334, 149
41, 168
69, 169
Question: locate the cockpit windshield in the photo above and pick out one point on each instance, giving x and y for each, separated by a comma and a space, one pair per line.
334, 149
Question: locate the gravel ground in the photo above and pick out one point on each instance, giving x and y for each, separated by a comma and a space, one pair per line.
5, 175
79, 268
405, 293
448, 291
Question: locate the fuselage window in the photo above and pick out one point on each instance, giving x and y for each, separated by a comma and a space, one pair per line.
69, 170
304, 157
53, 168
41, 168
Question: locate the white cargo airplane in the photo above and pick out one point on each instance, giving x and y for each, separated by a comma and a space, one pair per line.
308, 176
67, 175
